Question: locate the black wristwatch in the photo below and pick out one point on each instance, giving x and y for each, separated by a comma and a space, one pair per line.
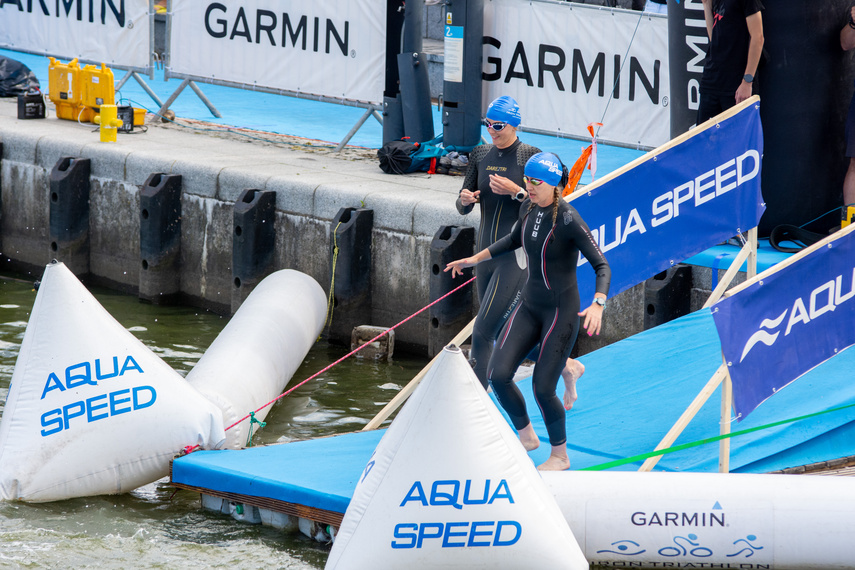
520, 196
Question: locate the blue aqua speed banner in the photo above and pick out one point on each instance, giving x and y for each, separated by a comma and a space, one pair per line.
676, 204
788, 322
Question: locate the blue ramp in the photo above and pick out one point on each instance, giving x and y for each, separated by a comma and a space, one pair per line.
721, 256
631, 394
318, 473
634, 391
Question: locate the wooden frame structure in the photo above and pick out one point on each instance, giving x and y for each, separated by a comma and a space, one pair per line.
721, 375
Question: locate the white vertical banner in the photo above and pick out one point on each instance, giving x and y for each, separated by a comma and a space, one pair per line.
326, 47
570, 64
114, 32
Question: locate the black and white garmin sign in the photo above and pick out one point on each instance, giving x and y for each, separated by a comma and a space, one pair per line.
569, 65
327, 47
115, 32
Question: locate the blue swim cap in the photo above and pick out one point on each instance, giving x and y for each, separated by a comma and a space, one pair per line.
545, 166
505, 110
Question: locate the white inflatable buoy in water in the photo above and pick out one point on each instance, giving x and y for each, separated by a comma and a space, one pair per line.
252, 360
450, 486
91, 410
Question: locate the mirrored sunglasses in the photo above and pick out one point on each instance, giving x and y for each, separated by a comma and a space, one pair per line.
495, 125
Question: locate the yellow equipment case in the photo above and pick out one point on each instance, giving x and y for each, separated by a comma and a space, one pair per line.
78, 92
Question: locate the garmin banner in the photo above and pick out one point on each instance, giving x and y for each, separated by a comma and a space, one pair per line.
788, 322
115, 32
561, 61
673, 205
328, 48
687, 49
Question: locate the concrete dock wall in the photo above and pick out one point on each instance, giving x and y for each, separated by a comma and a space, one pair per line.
311, 186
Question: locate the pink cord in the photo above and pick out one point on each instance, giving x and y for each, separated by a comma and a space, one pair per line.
351, 353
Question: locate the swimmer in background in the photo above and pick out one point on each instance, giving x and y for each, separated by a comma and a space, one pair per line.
494, 181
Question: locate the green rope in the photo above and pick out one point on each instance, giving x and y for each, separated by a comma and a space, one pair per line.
643, 456
330, 300
252, 420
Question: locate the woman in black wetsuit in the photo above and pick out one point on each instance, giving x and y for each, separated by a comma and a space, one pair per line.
494, 182
552, 234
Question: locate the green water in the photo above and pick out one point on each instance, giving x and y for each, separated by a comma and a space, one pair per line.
155, 526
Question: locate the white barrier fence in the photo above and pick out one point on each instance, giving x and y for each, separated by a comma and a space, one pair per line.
119, 33
570, 64
567, 64
326, 48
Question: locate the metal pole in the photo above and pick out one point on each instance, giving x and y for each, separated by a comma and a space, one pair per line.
173, 97
370, 111
145, 87
205, 100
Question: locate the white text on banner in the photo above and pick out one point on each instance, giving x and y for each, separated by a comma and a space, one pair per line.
560, 61
788, 322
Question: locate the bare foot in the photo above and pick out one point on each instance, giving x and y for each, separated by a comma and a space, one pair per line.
572, 372
555, 463
529, 438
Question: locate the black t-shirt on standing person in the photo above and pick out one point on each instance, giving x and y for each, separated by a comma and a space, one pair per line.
728, 51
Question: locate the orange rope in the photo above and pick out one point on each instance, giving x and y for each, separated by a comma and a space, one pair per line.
351, 353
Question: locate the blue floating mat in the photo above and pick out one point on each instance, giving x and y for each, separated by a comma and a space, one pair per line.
721, 256
635, 390
319, 473
631, 394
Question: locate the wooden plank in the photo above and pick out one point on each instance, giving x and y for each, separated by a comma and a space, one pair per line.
726, 405
729, 275
322, 516
752, 257
405, 392
844, 466
687, 416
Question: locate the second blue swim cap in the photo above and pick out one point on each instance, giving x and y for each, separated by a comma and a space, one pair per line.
545, 166
505, 110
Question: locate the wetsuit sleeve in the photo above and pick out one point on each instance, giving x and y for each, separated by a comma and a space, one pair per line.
470, 180
589, 248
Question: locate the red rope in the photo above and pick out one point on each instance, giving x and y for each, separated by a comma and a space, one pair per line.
351, 353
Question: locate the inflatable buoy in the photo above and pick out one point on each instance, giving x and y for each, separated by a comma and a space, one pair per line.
708, 520
254, 357
91, 410
450, 486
